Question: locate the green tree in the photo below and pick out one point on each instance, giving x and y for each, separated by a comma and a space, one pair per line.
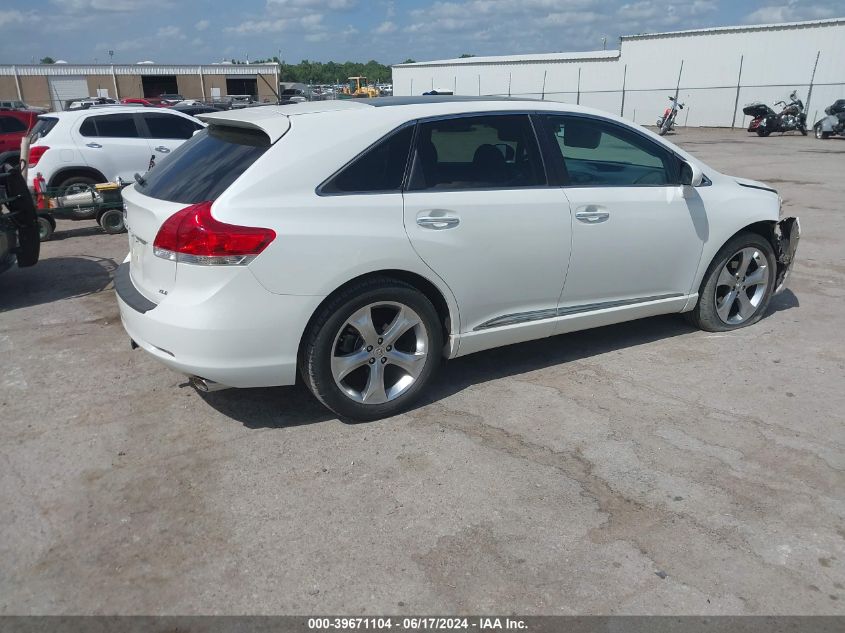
48, 60
465, 55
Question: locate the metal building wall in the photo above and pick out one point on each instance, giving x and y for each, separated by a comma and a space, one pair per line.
775, 60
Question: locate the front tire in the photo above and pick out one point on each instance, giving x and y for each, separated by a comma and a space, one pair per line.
46, 227
764, 132
372, 349
738, 285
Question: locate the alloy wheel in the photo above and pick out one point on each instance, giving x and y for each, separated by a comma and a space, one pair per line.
379, 352
742, 285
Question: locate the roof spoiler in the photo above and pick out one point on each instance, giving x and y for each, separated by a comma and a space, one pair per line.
266, 120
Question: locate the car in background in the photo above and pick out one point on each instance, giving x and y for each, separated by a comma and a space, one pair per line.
76, 149
355, 244
14, 125
19, 105
295, 93
193, 109
150, 103
170, 98
240, 101
81, 104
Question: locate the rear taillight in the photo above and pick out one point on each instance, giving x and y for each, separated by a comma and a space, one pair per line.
35, 154
193, 236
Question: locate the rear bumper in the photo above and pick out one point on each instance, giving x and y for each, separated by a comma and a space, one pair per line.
239, 335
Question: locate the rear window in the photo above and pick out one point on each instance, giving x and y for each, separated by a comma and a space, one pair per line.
110, 126
42, 128
205, 166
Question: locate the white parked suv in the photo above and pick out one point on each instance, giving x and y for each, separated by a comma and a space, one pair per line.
357, 243
100, 144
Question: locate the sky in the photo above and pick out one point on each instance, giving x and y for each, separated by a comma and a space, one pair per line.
174, 31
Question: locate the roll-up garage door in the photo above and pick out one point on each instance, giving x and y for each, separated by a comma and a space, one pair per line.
63, 89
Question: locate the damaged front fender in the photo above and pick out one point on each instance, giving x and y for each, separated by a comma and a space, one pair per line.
785, 236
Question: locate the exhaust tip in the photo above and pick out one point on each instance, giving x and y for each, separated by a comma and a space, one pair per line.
204, 385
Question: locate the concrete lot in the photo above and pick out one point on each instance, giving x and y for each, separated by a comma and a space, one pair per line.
641, 468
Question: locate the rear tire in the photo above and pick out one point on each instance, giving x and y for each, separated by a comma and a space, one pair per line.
112, 221
761, 131
351, 352
729, 298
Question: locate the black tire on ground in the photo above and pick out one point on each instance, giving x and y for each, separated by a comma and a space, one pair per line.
704, 315
319, 341
761, 131
112, 221
803, 129
46, 226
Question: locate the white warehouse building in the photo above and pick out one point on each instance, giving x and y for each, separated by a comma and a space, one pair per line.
723, 69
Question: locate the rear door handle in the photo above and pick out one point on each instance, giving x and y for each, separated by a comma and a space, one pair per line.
592, 217
163, 149
93, 145
428, 222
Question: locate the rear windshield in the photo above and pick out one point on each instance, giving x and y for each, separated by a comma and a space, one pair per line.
42, 128
203, 167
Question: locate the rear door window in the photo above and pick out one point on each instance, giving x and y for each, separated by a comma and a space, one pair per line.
477, 152
203, 167
162, 125
110, 126
380, 168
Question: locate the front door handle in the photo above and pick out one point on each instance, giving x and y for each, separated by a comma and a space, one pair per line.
428, 222
162, 149
93, 145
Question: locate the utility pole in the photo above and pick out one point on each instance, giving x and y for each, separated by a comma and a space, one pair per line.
738, 85
812, 79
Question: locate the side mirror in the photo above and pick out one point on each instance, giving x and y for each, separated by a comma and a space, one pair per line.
690, 174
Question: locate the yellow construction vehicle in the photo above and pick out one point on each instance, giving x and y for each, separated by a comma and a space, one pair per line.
357, 87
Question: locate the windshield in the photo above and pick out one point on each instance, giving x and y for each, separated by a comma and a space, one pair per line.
205, 166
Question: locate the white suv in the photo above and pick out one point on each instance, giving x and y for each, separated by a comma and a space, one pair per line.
359, 242
101, 144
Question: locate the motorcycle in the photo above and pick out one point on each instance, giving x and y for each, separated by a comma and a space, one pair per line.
667, 121
833, 123
765, 120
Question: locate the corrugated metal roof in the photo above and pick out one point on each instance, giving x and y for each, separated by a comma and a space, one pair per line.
53, 70
738, 29
518, 59
615, 54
